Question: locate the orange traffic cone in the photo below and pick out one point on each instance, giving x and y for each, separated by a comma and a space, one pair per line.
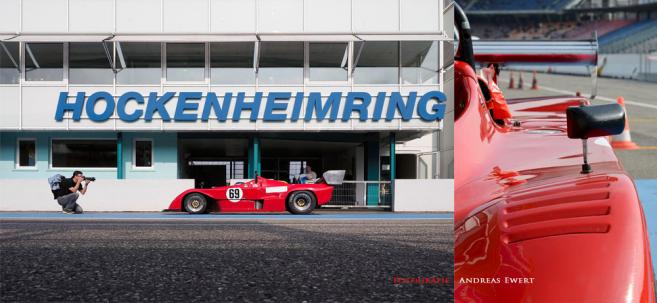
520, 82
534, 82
624, 140
512, 83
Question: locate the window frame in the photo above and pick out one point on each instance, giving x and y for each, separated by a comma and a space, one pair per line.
254, 67
17, 160
18, 68
306, 65
134, 155
304, 68
23, 78
439, 62
206, 65
118, 69
111, 61
50, 156
357, 50
352, 49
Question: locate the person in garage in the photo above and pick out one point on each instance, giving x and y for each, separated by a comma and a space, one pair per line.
308, 176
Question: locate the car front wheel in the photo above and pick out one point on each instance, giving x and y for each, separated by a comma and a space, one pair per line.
301, 202
195, 204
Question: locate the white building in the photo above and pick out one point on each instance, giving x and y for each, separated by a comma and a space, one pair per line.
211, 90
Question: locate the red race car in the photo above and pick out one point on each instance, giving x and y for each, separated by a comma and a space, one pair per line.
260, 195
544, 211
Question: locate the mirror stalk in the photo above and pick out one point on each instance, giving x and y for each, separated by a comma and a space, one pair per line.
586, 167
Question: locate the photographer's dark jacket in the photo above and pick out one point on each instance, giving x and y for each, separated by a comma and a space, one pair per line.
64, 185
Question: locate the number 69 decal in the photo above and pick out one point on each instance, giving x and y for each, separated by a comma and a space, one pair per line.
234, 194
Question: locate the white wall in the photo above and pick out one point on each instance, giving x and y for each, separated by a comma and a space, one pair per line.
220, 16
102, 195
424, 195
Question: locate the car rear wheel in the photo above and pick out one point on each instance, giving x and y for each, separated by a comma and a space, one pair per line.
301, 202
195, 204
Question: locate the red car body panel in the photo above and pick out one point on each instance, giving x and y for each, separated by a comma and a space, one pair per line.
272, 193
524, 210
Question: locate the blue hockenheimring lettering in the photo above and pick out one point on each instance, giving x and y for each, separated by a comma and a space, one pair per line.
278, 106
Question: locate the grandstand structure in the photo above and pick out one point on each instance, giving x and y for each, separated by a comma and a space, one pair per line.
622, 26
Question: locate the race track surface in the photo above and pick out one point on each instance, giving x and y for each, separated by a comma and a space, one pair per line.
223, 260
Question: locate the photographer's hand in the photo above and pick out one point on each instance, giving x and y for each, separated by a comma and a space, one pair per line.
86, 185
76, 187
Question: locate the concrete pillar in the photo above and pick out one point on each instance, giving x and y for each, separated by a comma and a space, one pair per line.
254, 157
360, 175
393, 165
372, 169
120, 166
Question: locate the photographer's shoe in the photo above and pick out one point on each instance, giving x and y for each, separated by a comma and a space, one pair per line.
68, 212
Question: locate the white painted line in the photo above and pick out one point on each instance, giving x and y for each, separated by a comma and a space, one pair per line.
628, 102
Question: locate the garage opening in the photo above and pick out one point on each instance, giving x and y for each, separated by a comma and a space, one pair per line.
406, 166
286, 159
212, 162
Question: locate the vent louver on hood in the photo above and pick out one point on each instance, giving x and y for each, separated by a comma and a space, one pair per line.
557, 209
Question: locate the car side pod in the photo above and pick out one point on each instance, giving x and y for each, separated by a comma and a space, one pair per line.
594, 121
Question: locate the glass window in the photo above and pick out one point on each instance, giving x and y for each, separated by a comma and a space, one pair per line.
88, 64
376, 62
448, 53
138, 63
143, 153
83, 153
420, 62
44, 61
26, 153
9, 63
296, 168
232, 63
185, 61
238, 170
281, 63
328, 61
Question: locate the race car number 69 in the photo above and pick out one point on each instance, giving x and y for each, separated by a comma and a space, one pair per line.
234, 194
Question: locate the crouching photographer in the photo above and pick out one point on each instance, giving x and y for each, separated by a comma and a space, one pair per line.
67, 190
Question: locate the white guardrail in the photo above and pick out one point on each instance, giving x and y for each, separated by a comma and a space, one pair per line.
410, 195
372, 194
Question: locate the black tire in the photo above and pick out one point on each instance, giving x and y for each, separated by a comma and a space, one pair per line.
195, 203
301, 202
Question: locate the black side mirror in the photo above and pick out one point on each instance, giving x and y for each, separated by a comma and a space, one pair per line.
595, 121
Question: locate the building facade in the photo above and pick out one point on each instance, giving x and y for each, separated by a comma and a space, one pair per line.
214, 90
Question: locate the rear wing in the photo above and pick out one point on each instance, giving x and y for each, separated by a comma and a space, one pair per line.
334, 177
538, 52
